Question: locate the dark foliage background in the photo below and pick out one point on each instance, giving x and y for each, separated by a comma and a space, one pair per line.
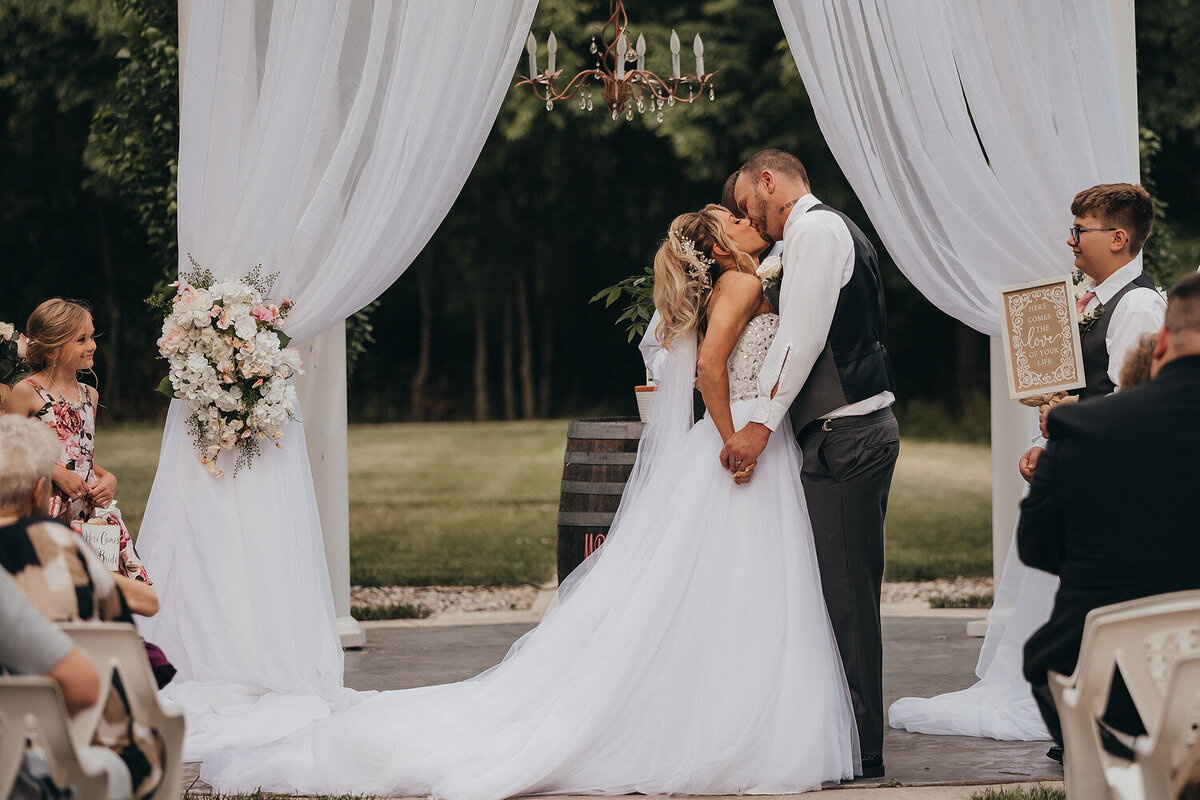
493, 319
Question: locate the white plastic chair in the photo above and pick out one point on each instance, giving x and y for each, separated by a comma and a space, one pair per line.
31, 707
1157, 754
113, 645
1144, 638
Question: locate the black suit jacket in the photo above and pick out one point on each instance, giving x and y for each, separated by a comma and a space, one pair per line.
1113, 508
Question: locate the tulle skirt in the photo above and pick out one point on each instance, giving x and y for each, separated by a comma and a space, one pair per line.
692, 654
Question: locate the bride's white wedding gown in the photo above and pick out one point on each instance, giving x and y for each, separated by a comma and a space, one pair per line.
691, 654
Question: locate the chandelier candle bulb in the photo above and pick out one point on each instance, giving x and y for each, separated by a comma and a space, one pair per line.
674, 55
622, 49
531, 48
698, 49
552, 49
641, 52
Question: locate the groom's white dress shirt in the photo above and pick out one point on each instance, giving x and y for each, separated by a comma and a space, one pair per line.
818, 261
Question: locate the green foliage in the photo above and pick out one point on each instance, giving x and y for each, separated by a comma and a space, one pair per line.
390, 611
968, 600
135, 133
639, 309
1037, 792
360, 335
1160, 259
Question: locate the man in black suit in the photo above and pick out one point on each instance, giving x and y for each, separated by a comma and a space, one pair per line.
1112, 507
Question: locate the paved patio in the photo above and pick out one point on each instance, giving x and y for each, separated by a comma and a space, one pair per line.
925, 653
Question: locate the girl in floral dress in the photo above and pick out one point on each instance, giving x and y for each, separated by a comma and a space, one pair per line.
59, 344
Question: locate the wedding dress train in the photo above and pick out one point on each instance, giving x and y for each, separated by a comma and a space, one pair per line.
691, 654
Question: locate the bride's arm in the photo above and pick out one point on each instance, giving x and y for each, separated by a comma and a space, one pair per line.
734, 299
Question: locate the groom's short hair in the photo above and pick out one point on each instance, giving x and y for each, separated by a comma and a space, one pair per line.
776, 161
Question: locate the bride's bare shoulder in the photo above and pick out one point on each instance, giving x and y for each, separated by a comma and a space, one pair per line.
739, 288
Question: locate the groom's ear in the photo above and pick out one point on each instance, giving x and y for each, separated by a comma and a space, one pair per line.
1160, 350
768, 181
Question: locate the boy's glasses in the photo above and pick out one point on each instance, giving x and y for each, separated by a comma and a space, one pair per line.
1078, 229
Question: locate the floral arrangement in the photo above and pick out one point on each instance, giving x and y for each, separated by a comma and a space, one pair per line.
12, 353
229, 361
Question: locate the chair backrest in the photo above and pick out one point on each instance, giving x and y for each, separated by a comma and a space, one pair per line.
1144, 638
32, 707
117, 646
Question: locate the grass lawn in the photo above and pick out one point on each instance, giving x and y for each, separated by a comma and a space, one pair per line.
476, 503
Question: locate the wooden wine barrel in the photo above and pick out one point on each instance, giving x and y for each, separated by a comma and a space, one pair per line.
599, 457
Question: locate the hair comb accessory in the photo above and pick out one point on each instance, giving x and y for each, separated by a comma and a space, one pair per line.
698, 264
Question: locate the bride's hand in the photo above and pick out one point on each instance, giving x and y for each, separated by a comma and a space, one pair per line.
744, 474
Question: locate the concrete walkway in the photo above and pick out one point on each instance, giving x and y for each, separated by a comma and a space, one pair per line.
925, 652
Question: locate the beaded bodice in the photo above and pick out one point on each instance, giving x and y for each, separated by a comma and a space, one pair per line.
748, 355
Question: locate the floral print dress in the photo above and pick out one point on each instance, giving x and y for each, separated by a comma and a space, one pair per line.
75, 424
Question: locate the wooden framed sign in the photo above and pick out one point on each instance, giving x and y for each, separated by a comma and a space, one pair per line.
1041, 337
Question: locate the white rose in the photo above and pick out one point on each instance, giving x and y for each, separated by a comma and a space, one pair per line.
245, 327
7, 331
770, 268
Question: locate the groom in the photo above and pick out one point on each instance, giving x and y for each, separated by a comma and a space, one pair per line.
828, 370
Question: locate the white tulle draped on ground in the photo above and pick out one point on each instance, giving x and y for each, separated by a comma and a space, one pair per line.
965, 127
325, 141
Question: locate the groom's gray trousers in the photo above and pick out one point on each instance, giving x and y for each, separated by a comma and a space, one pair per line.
847, 473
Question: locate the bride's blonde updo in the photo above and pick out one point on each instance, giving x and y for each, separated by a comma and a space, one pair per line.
685, 270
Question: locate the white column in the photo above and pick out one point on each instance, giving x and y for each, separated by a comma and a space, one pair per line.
322, 390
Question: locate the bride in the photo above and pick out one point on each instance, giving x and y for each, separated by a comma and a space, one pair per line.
690, 654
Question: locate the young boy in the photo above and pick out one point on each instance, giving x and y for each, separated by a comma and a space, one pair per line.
1117, 303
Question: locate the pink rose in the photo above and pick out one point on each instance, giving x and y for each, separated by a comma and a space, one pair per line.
263, 314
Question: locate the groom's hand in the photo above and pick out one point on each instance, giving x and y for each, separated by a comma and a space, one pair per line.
745, 446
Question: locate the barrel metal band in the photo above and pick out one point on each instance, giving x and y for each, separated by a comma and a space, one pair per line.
586, 518
599, 459
592, 487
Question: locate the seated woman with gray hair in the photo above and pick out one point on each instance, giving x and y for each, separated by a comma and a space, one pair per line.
64, 578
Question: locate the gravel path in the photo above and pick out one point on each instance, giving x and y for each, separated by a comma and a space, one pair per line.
448, 599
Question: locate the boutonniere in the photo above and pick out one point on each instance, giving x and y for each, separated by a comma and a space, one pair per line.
1082, 286
769, 271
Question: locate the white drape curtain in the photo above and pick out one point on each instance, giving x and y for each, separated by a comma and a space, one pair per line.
965, 128
325, 141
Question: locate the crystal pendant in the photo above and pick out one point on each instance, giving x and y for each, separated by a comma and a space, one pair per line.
641, 106
614, 115
582, 102
629, 114
712, 93
549, 105
691, 95
589, 103
594, 48
659, 117
671, 101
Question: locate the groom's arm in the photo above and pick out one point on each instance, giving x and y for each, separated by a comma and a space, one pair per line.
818, 255
817, 252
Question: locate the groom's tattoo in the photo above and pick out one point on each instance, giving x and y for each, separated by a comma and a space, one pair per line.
788, 205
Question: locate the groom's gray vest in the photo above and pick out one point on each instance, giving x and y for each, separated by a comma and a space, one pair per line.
854, 364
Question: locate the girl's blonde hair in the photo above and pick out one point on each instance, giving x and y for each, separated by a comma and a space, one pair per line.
685, 270
51, 325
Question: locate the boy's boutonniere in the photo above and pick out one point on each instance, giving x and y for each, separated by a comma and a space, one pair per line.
1082, 286
769, 271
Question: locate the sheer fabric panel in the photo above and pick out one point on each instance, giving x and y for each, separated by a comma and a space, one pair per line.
325, 141
965, 127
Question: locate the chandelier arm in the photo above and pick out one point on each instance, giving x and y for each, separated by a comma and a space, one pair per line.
570, 90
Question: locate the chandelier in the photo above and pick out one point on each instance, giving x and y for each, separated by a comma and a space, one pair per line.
619, 72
